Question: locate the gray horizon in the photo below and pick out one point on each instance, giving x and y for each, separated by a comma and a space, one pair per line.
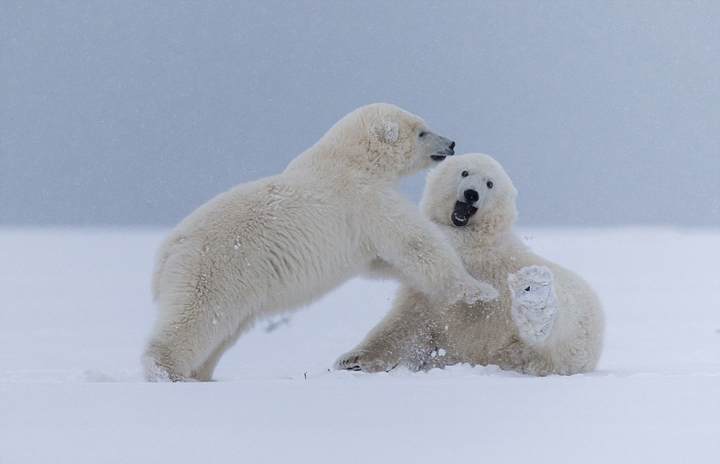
134, 113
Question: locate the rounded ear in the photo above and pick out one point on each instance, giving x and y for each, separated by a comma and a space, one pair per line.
386, 131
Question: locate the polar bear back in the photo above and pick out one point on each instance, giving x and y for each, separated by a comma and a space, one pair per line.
278, 226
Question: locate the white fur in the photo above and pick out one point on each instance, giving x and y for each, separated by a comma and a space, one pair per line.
278, 243
547, 320
534, 303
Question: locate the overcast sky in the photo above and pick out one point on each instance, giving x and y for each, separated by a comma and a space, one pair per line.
136, 113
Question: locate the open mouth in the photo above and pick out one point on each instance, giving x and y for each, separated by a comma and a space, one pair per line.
441, 155
462, 213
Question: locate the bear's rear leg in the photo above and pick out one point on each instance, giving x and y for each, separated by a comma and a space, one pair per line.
204, 373
534, 304
160, 364
188, 343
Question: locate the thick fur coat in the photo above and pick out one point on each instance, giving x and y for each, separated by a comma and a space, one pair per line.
278, 243
547, 320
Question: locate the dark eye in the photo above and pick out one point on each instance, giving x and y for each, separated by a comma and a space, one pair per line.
527, 289
465, 174
422, 134
489, 184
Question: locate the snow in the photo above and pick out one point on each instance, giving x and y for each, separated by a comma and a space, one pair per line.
75, 309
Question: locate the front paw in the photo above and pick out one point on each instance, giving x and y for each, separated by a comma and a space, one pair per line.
361, 361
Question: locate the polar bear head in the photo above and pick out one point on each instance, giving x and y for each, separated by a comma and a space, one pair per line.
471, 191
386, 141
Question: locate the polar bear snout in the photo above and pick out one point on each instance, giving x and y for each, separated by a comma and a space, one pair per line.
471, 195
450, 150
447, 148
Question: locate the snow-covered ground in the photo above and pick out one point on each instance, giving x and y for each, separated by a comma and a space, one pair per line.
75, 309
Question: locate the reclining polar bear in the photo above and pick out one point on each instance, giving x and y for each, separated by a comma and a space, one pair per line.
278, 243
547, 320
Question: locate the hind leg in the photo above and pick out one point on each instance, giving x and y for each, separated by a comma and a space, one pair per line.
185, 340
204, 373
534, 304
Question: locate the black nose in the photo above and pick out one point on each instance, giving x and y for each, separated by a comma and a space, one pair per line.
471, 195
452, 145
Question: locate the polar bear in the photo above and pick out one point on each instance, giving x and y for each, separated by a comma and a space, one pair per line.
275, 244
547, 320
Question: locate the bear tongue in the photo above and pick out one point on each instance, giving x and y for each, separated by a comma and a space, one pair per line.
462, 213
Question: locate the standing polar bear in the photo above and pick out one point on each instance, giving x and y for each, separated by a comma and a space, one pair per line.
277, 243
547, 320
